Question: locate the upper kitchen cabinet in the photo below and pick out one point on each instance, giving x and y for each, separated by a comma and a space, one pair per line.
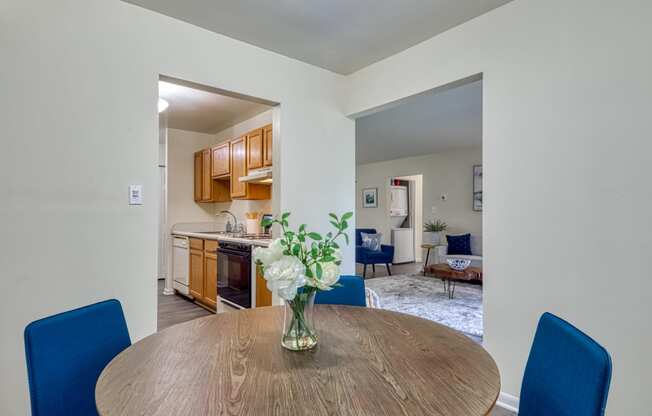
267, 145
206, 188
240, 168
221, 160
198, 175
255, 149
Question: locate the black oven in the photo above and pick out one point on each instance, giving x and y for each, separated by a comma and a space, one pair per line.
234, 273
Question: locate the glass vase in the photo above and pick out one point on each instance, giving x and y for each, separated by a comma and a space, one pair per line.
298, 328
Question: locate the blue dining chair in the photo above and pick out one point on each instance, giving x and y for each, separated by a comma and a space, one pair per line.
67, 352
351, 292
567, 372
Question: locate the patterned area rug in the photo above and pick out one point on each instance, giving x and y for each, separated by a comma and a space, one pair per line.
425, 297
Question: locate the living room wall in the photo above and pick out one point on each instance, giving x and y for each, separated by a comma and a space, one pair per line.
448, 173
566, 99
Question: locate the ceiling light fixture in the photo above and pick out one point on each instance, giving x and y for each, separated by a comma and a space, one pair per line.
162, 105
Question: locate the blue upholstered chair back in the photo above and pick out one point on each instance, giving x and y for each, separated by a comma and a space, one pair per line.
351, 292
66, 354
358, 234
567, 373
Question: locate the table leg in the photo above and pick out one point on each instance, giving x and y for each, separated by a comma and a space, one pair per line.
449, 287
426, 263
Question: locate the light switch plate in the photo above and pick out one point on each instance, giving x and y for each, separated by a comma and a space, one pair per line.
135, 194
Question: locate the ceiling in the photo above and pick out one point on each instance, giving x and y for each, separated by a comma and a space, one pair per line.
202, 111
428, 123
340, 35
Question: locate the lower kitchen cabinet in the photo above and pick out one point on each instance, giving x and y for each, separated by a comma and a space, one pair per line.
210, 274
263, 295
196, 268
203, 271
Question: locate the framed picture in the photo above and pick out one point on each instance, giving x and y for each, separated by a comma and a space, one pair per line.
477, 188
370, 198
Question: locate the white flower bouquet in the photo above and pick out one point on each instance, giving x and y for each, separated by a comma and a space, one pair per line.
296, 266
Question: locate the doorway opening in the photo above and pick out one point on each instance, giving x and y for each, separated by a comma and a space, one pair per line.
217, 164
424, 155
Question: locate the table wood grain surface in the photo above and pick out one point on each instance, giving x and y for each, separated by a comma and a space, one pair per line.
368, 362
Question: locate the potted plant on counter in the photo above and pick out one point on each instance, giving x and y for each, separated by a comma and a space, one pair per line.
296, 266
432, 231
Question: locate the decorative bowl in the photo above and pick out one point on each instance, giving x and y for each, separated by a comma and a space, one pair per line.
458, 264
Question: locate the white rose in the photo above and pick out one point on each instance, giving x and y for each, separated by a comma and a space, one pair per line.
329, 276
285, 276
268, 255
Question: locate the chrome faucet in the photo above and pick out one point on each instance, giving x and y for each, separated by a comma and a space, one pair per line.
230, 228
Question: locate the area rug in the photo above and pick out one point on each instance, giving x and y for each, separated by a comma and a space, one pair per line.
425, 297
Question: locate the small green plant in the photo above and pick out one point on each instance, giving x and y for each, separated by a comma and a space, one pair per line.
435, 226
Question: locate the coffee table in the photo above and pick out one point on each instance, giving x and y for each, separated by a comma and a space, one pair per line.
449, 276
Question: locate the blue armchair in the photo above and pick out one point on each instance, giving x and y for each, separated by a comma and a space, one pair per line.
365, 256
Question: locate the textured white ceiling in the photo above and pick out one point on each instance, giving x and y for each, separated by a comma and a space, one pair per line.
202, 111
432, 122
340, 35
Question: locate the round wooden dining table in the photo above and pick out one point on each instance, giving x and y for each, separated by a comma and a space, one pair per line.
368, 362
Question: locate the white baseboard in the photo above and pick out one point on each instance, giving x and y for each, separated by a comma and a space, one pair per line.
508, 402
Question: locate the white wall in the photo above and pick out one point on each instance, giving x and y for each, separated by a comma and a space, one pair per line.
79, 117
567, 224
182, 207
449, 173
246, 126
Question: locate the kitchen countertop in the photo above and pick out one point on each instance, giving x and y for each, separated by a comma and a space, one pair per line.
222, 237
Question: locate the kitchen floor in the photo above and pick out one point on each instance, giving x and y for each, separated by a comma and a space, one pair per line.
175, 309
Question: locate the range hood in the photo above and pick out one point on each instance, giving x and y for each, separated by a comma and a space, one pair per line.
262, 175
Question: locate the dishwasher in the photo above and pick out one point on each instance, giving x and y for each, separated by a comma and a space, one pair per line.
180, 265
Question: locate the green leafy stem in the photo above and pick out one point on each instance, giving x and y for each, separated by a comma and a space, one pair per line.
320, 250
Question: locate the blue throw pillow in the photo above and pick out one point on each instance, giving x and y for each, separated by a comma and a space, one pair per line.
459, 244
371, 241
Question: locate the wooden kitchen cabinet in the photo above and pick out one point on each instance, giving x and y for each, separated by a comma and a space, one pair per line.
210, 274
196, 265
267, 145
221, 160
263, 295
198, 176
239, 168
255, 149
208, 189
203, 271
